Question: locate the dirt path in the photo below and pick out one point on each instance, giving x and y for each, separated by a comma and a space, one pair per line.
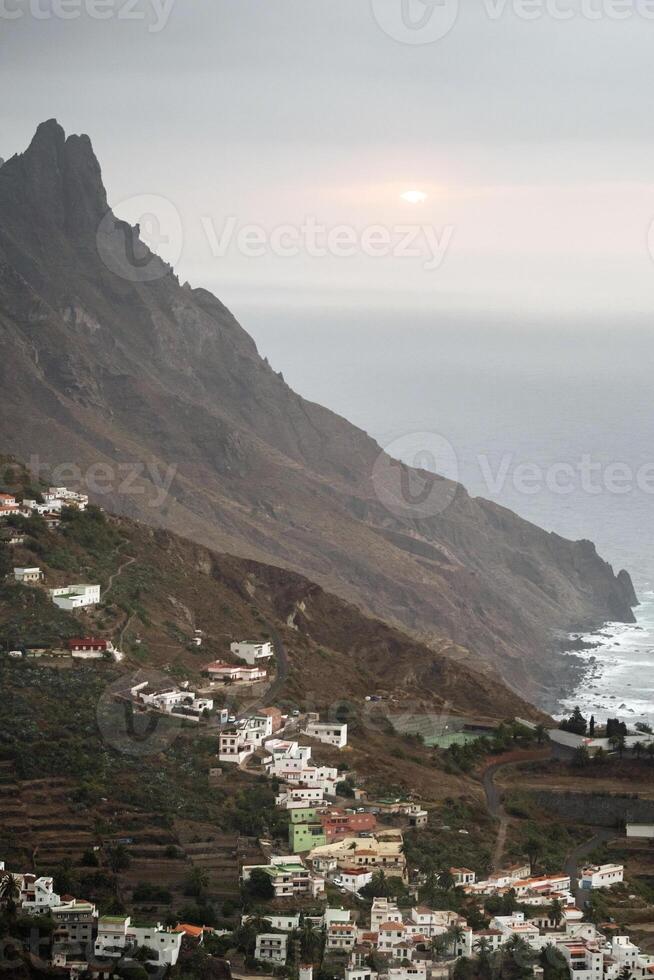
114, 575
494, 800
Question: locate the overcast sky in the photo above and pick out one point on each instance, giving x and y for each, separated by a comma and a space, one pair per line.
532, 139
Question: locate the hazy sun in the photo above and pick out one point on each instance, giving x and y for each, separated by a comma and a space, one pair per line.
414, 197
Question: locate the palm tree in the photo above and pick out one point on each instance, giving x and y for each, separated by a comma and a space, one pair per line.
446, 879
9, 893
483, 947
521, 953
541, 733
638, 749
312, 940
556, 912
455, 935
439, 945
197, 881
533, 851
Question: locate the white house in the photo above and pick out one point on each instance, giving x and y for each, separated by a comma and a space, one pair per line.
331, 733
117, 938
271, 947
37, 894
289, 877
239, 741
353, 879
601, 875
75, 921
172, 700
71, 597
292, 798
360, 973
341, 936
644, 831
233, 673
463, 876
409, 971
585, 958
279, 922
253, 652
28, 576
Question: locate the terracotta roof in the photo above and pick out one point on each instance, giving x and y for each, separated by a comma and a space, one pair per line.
195, 931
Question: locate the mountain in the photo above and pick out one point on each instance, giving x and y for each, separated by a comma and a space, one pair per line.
108, 362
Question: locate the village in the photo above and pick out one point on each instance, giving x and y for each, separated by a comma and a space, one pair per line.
337, 895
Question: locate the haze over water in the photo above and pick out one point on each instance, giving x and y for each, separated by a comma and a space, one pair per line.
504, 395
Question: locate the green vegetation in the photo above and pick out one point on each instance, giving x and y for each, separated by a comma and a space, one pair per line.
509, 735
440, 845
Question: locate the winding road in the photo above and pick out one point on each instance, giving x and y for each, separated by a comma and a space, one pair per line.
495, 808
575, 857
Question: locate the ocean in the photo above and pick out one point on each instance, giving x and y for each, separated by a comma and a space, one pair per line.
555, 421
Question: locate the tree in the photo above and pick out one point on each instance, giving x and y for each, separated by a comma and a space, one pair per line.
119, 859
144, 953
439, 945
554, 963
259, 885
65, 881
541, 733
6, 563
617, 743
196, 882
9, 894
638, 749
446, 879
455, 936
580, 758
625, 973
533, 850
312, 942
591, 726
576, 723
556, 912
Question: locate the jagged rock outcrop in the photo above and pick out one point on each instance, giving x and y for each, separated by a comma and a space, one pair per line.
99, 366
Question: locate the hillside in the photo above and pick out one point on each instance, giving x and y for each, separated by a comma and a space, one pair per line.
158, 588
99, 367
71, 778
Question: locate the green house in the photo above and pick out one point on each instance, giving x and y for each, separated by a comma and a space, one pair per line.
305, 836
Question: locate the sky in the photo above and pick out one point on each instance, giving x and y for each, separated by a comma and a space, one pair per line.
265, 145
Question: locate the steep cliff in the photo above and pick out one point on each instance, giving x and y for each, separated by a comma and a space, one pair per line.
106, 359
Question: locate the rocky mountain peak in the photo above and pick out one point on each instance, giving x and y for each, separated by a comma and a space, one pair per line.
56, 181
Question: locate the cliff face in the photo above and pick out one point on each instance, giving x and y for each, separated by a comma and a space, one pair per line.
98, 366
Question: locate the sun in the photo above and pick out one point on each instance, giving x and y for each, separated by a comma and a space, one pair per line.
414, 197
